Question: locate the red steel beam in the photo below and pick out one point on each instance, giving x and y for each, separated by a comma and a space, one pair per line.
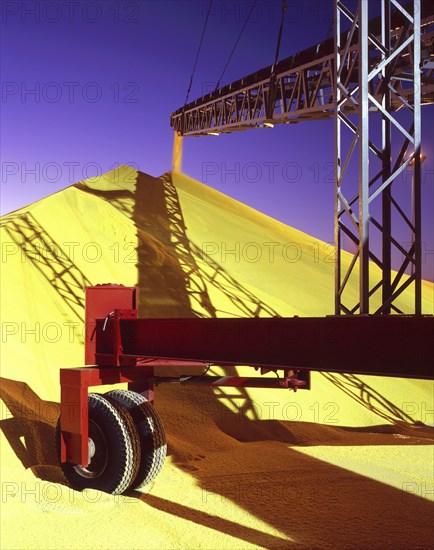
284, 382
394, 345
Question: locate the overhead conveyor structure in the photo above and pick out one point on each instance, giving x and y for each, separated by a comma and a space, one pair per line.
303, 86
377, 66
366, 71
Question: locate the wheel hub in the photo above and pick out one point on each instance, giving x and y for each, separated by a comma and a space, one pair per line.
98, 453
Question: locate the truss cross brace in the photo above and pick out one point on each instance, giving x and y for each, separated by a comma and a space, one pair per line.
371, 191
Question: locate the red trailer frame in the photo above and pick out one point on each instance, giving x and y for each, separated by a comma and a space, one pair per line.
126, 349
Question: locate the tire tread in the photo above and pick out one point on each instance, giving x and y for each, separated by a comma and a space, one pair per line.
151, 433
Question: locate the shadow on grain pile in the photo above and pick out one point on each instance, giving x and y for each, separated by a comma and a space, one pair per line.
247, 461
258, 471
251, 463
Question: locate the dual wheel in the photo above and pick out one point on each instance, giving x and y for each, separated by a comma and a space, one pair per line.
127, 444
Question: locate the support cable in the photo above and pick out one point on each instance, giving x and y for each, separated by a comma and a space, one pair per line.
279, 37
197, 54
236, 44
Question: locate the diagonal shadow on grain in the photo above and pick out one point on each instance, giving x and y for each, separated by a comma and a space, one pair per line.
52, 262
30, 427
273, 487
254, 465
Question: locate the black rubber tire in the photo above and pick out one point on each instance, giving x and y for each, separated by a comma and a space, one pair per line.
117, 449
151, 434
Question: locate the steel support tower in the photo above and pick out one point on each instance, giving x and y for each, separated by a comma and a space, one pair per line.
371, 110
371, 78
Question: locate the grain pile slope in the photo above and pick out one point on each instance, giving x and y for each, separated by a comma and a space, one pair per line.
246, 468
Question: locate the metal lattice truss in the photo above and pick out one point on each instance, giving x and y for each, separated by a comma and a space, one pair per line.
378, 100
304, 92
365, 78
301, 88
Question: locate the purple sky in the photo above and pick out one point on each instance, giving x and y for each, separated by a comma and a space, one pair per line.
106, 75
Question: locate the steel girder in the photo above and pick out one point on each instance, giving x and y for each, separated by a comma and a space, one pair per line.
303, 92
363, 72
375, 100
301, 88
